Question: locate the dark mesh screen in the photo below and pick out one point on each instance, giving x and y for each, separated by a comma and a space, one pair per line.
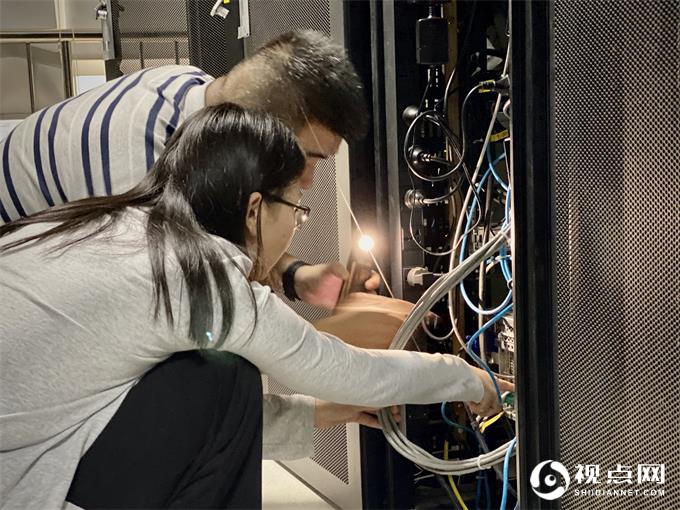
617, 225
271, 18
152, 33
323, 224
330, 451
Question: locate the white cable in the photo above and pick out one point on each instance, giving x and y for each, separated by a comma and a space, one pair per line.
455, 241
391, 430
443, 285
432, 335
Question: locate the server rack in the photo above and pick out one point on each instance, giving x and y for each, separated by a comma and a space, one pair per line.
594, 109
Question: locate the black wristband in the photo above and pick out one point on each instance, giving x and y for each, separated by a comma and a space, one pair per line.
288, 280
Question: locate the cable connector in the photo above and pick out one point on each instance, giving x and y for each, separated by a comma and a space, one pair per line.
502, 85
414, 277
414, 199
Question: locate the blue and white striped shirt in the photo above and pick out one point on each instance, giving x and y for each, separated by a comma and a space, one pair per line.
99, 143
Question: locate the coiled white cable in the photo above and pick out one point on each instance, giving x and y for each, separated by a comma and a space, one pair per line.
393, 434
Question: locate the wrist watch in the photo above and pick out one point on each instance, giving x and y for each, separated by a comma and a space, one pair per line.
288, 280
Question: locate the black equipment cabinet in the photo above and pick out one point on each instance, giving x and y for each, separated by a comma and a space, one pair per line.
163, 32
596, 219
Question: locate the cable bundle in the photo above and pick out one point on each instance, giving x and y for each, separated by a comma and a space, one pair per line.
391, 430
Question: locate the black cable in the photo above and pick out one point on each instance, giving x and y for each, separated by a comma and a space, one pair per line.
449, 492
463, 144
461, 55
409, 146
480, 206
485, 447
450, 193
435, 117
481, 285
422, 99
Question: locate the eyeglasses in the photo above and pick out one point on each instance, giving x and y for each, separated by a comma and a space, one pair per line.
301, 212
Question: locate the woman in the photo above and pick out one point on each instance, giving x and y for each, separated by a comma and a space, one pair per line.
99, 293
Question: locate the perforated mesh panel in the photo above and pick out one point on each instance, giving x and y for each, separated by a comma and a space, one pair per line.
318, 240
152, 33
327, 444
617, 224
330, 445
141, 53
271, 18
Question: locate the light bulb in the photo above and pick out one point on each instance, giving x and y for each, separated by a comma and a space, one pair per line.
366, 243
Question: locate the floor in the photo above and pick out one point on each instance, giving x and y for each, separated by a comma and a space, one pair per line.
282, 491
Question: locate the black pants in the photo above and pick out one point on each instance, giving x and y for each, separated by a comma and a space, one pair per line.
188, 435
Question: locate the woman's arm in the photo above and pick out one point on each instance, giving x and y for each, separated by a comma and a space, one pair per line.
288, 348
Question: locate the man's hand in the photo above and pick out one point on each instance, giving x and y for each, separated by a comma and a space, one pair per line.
365, 279
366, 320
320, 285
489, 405
329, 414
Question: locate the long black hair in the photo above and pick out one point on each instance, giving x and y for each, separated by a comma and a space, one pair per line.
200, 185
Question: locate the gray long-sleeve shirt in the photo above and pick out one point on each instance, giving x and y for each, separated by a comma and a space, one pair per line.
77, 332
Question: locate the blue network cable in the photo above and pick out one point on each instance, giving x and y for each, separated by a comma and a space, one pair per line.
463, 246
505, 265
506, 473
452, 423
478, 360
487, 488
508, 194
492, 167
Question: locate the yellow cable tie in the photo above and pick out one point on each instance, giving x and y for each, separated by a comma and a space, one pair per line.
499, 136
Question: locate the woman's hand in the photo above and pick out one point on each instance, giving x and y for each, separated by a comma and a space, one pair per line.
329, 414
489, 405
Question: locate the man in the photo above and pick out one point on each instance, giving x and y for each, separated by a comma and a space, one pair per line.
103, 141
